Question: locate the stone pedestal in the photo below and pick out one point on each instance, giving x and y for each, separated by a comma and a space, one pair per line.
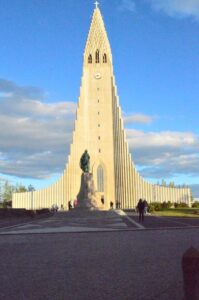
88, 197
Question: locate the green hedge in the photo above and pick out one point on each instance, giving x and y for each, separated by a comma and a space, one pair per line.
195, 204
166, 205
181, 205
154, 206
157, 206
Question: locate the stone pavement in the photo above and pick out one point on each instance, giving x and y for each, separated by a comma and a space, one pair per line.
95, 221
156, 222
72, 221
9, 221
119, 265
113, 258
12, 221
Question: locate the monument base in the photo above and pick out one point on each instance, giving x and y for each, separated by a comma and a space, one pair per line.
88, 197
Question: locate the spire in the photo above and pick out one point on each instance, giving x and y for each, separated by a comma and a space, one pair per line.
96, 4
97, 38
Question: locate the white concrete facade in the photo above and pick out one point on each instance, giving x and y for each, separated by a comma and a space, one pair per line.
99, 129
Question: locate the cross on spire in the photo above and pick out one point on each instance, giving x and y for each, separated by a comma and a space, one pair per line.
96, 4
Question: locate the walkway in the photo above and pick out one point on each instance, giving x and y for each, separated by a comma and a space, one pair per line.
95, 221
94, 255
72, 221
156, 222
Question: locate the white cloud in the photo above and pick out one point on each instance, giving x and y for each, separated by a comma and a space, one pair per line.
139, 138
138, 118
181, 8
165, 154
127, 5
34, 135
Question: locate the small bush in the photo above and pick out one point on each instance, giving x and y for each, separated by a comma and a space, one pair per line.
166, 205
195, 204
157, 206
151, 207
181, 205
154, 206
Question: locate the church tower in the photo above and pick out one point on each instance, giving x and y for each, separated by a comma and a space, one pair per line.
99, 129
94, 120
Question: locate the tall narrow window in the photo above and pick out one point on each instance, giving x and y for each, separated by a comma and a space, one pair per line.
100, 179
90, 59
97, 57
104, 58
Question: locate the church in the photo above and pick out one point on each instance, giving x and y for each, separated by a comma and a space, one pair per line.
99, 129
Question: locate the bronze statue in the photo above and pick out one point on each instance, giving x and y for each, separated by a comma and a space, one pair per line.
85, 162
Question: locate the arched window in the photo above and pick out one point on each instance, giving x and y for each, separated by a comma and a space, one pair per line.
90, 59
100, 179
104, 58
97, 57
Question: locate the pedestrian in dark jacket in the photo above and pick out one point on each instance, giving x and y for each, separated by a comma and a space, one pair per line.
140, 208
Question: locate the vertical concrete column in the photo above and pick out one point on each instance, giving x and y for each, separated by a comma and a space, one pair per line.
119, 163
115, 140
123, 168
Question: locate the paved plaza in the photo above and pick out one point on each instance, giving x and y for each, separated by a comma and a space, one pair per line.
95, 255
94, 221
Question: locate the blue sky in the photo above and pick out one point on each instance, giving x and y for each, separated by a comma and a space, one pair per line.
155, 46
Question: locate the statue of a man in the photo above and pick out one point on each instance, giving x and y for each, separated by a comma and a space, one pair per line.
85, 162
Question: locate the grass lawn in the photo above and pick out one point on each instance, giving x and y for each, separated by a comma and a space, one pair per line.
178, 212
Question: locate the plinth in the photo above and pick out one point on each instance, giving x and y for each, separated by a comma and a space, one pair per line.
88, 197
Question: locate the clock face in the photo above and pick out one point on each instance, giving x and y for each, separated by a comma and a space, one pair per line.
97, 75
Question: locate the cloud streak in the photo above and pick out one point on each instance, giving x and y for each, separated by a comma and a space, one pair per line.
127, 5
137, 118
177, 8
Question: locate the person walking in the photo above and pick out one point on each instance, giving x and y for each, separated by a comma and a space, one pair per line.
145, 207
140, 208
70, 205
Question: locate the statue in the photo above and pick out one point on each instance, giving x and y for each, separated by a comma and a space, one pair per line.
85, 162
88, 197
